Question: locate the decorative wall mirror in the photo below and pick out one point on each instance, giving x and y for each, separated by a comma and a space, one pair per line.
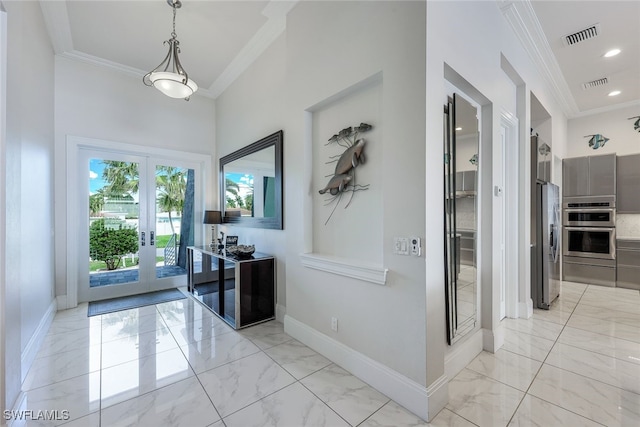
251, 184
461, 163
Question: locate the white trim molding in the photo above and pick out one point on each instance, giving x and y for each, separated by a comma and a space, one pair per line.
403, 390
462, 353
31, 350
281, 312
524, 22
493, 339
346, 267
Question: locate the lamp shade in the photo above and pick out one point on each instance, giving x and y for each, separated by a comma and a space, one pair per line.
212, 217
173, 84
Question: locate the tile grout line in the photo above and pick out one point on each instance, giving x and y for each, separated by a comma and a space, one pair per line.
526, 393
545, 363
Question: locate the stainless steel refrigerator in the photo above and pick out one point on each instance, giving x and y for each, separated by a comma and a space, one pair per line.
546, 287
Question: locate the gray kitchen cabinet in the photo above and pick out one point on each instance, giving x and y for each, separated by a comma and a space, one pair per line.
602, 175
628, 184
466, 183
575, 177
469, 183
589, 176
459, 180
628, 263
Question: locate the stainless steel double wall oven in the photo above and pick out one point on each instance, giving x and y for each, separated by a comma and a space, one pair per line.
589, 236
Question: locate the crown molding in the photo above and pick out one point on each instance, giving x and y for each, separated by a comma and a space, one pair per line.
276, 12
56, 19
260, 41
607, 109
115, 66
524, 22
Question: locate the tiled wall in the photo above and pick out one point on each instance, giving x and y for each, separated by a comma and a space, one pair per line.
628, 225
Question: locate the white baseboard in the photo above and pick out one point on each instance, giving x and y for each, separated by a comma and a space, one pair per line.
525, 309
62, 302
31, 350
17, 407
281, 311
493, 339
462, 353
403, 390
438, 396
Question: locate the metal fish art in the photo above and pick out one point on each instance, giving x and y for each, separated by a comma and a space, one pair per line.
344, 177
336, 184
597, 141
636, 124
351, 158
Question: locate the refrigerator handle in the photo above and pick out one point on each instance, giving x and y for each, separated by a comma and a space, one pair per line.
553, 241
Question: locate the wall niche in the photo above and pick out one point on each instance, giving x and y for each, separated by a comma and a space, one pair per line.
348, 226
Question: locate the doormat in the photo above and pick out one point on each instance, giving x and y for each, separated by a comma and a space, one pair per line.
117, 304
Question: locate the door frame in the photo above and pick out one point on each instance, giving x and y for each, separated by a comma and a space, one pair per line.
509, 125
73, 146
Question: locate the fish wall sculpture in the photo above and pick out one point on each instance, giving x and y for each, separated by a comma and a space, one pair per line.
343, 178
596, 141
636, 124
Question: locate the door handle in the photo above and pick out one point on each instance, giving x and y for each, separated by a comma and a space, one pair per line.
152, 238
142, 242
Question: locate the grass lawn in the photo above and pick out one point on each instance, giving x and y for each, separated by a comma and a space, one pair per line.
161, 241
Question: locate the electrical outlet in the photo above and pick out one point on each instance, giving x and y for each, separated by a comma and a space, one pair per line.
334, 324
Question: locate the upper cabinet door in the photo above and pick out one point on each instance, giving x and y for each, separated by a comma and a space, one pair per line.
602, 175
575, 177
628, 184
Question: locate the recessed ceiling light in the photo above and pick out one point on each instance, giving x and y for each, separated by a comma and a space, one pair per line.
612, 52
614, 93
458, 128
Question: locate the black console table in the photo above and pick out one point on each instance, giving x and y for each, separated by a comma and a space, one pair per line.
248, 285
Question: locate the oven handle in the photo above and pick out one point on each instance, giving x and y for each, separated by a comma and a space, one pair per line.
570, 228
589, 209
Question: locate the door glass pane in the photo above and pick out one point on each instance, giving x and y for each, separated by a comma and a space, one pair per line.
114, 213
174, 222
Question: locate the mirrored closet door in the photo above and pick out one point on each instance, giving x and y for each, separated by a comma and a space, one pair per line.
461, 162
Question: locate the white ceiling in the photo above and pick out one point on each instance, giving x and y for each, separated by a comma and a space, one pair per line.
619, 27
220, 39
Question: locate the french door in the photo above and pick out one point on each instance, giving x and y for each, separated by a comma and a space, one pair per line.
136, 217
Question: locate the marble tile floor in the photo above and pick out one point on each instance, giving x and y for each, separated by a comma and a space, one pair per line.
176, 364
577, 364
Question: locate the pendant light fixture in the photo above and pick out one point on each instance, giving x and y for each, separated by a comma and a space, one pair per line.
169, 77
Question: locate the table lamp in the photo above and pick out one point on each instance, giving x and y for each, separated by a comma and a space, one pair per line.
213, 218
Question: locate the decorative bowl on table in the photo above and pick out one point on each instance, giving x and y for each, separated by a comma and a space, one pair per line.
241, 251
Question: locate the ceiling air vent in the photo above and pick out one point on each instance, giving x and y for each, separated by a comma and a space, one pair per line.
582, 35
595, 83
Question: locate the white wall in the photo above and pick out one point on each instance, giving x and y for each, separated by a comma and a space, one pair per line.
473, 50
252, 108
96, 102
29, 186
3, 191
328, 48
614, 125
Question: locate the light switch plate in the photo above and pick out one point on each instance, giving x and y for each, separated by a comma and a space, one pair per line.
401, 245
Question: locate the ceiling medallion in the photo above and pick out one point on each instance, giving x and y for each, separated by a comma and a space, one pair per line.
169, 77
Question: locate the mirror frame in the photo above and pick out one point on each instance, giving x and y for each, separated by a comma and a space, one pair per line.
276, 222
